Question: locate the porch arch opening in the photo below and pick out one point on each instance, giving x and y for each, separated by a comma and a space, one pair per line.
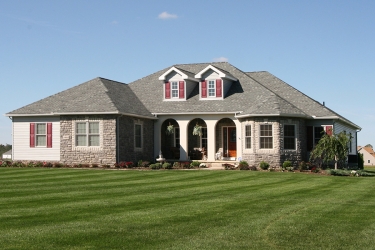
170, 139
226, 139
197, 139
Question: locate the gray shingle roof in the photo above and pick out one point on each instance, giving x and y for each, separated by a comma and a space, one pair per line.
254, 94
95, 96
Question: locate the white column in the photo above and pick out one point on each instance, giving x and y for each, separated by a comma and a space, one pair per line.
211, 139
239, 138
183, 139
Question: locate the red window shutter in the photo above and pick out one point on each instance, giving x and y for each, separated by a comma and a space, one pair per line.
49, 135
218, 88
167, 90
329, 130
32, 135
204, 89
310, 137
182, 89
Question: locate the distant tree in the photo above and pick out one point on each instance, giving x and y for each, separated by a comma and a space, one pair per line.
332, 148
369, 145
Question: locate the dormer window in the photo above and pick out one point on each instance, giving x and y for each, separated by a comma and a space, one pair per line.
214, 83
211, 88
174, 89
178, 84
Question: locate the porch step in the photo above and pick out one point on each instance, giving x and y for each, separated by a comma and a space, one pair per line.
216, 166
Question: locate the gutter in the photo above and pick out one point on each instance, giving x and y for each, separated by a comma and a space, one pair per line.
81, 113
198, 113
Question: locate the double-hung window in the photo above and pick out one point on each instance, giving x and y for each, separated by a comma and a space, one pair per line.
266, 139
248, 136
289, 137
138, 136
87, 134
41, 135
211, 88
174, 89
318, 133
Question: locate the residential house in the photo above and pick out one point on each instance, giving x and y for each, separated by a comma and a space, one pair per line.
252, 116
368, 155
7, 155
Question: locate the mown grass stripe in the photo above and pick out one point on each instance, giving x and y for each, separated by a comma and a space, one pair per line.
96, 209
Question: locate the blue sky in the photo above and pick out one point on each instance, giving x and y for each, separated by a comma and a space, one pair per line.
325, 49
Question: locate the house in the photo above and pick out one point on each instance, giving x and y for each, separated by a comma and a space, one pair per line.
253, 116
7, 155
368, 155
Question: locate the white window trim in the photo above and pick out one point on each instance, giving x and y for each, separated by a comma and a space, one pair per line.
295, 136
138, 123
177, 89
246, 125
272, 136
208, 88
36, 135
74, 139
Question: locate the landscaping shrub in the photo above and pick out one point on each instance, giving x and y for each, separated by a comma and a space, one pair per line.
106, 166
302, 166
57, 165
287, 165
243, 165
94, 165
194, 164
264, 165
156, 166
202, 165
253, 168
185, 164
176, 164
167, 165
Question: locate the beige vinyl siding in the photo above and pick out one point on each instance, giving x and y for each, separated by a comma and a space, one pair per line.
21, 140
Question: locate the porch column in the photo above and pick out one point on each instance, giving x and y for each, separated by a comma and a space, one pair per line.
211, 142
157, 138
183, 139
239, 138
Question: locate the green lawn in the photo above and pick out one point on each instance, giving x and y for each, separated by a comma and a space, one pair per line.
183, 209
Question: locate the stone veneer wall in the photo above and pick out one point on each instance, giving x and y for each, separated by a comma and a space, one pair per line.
105, 154
277, 155
127, 150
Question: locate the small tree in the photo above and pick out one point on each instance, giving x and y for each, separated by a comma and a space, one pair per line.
332, 148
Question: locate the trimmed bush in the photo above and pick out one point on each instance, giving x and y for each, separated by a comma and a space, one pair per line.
156, 166
195, 164
167, 165
264, 165
287, 165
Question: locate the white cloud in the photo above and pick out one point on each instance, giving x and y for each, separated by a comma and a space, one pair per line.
114, 22
220, 59
165, 15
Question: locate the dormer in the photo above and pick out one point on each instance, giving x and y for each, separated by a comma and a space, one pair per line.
178, 84
214, 83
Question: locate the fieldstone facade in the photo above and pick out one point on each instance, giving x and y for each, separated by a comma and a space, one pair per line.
277, 155
104, 154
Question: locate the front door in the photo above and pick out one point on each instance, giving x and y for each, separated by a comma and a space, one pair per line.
229, 147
